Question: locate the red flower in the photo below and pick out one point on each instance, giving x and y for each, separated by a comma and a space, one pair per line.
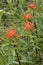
28, 16
29, 26
10, 33
32, 6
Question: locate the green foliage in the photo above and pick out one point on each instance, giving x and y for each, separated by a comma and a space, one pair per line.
29, 49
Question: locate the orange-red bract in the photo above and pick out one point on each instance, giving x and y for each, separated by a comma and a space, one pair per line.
29, 26
11, 33
28, 16
32, 6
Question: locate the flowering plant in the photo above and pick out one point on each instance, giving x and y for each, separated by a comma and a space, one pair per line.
21, 32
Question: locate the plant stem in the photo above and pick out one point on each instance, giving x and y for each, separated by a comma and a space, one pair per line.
18, 57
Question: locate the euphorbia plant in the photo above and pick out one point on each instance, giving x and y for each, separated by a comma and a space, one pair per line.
21, 32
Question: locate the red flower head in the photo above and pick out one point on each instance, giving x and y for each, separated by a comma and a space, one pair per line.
10, 33
32, 6
28, 16
29, 26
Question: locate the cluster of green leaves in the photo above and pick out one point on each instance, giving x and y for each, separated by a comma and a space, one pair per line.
29, 49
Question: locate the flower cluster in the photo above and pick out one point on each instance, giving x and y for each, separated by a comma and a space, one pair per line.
27, 26
10, 33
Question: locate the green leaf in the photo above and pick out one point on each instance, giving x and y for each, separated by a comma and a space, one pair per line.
2, 60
